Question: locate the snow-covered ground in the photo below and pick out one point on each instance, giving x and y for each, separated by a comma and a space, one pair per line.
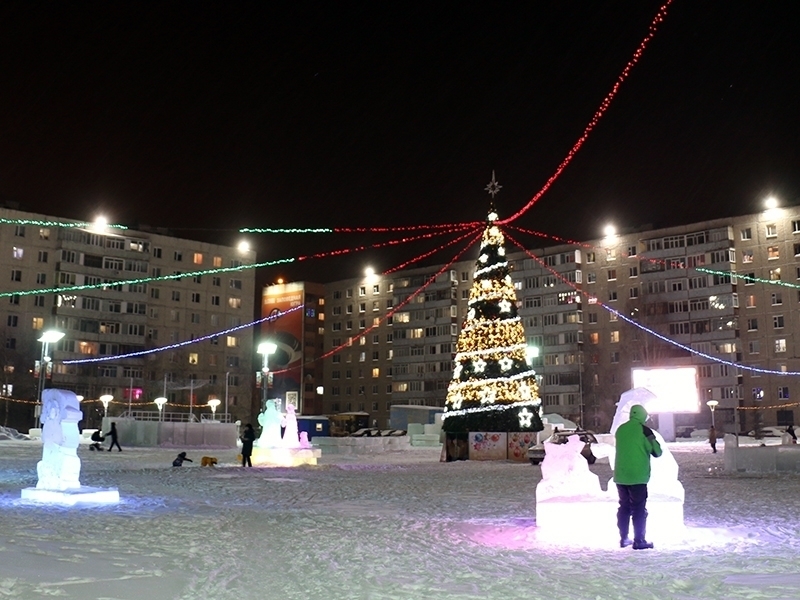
395, 526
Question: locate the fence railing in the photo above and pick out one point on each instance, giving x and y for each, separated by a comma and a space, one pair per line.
149, 415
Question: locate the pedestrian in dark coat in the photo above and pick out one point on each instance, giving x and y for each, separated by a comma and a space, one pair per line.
635, 443
712, 438
114, 440
180, 459
248, 437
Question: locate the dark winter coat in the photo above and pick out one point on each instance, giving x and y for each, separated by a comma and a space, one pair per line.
97, 436
180, 459
248, 437
635, 445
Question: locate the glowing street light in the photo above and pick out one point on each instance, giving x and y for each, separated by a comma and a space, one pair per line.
712, 404
265, 349
51, 336
771, 203
105, 399
610, 231
160, 402
244, 246
214, 403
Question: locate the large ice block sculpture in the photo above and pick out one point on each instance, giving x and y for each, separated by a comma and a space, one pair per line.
60, 468
571, 502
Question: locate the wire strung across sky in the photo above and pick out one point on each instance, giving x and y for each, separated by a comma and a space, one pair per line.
646, 329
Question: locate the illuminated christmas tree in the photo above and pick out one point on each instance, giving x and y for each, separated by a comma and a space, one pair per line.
493, 387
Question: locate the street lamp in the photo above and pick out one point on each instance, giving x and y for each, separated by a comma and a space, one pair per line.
712, 404
51, 336
105, 399
160, 402
214, 403
265, 349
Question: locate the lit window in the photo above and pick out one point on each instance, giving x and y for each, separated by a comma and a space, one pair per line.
197, 258
193, 358
231, 341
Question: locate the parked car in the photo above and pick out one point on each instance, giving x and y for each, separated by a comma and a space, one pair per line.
769, 432
536, 452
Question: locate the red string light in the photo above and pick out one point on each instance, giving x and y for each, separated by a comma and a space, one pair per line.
388, 314
344, 251
659, 18
448, 226
427, 254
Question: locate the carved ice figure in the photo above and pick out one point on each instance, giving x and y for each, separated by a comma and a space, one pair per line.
270, 421
289, 422
663, 470
304, 443
565, 472
60, 467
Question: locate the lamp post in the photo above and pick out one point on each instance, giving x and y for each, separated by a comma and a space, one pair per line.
265, 349
214, 403
160, 402
51, 336
105, 399
712, 404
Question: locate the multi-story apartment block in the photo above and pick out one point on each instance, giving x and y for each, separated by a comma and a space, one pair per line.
721, 296
119, 318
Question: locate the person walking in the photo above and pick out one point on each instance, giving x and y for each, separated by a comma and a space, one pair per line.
636, 443
712, 438
114, 440
248, 437
790, 431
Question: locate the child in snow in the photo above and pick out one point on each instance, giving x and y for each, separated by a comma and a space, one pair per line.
181, 458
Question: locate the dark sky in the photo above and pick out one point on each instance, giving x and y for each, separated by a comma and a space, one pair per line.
206, 117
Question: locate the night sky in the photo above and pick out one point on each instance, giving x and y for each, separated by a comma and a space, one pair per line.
206, 117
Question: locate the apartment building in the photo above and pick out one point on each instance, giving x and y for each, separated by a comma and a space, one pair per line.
118, 318
713, 295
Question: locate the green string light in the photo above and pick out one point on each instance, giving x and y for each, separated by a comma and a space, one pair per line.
38, 223
108, 284
748, 278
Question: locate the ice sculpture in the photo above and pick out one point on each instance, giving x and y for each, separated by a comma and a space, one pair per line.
304, 443
60, 468
270, 421
289, 423
570, 501
565, 472
273, 451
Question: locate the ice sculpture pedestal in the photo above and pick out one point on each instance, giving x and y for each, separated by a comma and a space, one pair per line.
284, 457
596, 516
82, 495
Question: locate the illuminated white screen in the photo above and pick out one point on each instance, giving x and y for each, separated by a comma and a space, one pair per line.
676, 389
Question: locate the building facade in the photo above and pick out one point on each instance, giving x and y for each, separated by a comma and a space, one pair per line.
113, 316
714, 295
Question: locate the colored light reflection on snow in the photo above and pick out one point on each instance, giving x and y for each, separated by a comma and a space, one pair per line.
523, 534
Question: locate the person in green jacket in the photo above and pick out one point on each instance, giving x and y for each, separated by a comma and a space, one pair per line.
636, 443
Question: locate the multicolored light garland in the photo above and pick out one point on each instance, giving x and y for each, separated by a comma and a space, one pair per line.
270, 263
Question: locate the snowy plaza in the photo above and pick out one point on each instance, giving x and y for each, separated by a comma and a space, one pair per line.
397, 525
